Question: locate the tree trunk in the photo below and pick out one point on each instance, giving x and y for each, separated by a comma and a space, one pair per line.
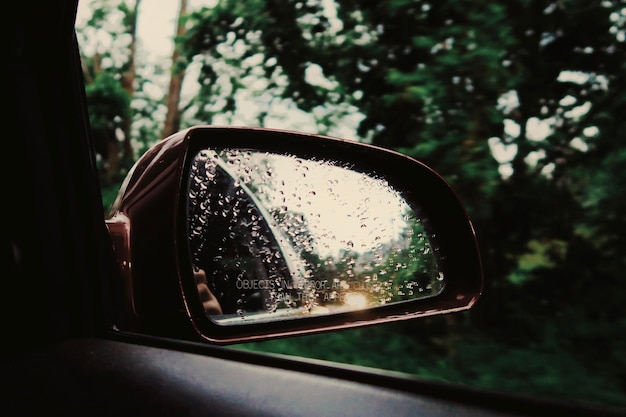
128, 84
112, 165
172, 119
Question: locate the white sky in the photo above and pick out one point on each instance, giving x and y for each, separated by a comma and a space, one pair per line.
156, 24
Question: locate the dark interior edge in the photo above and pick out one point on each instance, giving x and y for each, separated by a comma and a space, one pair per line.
451, 392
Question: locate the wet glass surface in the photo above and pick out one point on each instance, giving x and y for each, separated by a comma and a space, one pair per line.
275, 236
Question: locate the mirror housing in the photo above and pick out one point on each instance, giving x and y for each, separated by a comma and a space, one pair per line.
150, 231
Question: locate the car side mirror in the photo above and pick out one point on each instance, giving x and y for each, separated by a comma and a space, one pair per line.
235, 234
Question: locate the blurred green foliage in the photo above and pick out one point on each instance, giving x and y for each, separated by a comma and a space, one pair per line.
520, 105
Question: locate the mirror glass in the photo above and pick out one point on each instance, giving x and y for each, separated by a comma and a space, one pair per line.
275, 236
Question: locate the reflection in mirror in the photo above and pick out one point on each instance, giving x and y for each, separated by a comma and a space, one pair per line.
275, 236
